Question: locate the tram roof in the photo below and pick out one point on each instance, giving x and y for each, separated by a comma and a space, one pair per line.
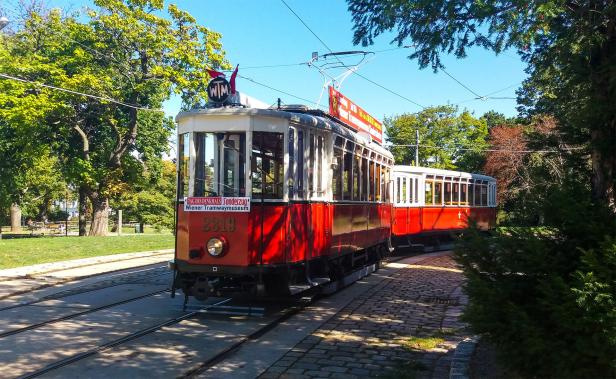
316, 119
440, 172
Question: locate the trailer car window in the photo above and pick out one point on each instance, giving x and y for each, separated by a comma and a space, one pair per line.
337, 174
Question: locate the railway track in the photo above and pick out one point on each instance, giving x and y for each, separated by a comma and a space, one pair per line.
83, 288
108, 345
212, 358
47, 281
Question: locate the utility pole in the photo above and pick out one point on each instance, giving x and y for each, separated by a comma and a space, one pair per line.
416, 147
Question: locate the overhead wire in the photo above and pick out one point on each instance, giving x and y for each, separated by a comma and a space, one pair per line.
280, 91
487, 150
103, 98
354, 72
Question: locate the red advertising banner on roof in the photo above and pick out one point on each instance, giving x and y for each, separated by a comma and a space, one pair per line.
349, 113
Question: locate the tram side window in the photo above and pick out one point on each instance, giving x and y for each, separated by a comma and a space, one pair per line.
471, 192
347, 177
404, 189
364, 179
448, 193
484, 194
456, 191
429, 192
477, 199
300, 163
291, 169
356, 177
267, 165
205, 145
337, 174
463, 193
398, 198
317, 166
416, 191
377, 180
372, 182
184, 150
438, 190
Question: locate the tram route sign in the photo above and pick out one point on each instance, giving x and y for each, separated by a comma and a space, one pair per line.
218, 90
217, 204
354, 116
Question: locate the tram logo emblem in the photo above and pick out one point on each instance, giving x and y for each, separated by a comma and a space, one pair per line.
218, 90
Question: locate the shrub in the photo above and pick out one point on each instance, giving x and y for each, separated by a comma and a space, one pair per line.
547, 297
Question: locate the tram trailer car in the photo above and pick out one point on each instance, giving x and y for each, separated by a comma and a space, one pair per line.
274, 200
434, 201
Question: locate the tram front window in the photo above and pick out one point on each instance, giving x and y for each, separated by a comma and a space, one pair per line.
220, 164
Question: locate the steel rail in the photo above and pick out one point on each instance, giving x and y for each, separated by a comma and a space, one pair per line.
116, 342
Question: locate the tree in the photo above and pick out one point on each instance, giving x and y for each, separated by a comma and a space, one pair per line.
570, 48
127, 51
447, 140
151, 202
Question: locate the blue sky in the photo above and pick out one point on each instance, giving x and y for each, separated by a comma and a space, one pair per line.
257, 33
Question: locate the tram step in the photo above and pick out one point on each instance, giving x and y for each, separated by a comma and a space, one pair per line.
319, 281
298, 288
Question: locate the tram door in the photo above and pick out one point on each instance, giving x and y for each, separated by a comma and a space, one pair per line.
297, 213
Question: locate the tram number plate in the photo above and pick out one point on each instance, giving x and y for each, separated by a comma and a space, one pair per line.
218, 224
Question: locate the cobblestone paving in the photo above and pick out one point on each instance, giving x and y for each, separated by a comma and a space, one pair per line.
367, 338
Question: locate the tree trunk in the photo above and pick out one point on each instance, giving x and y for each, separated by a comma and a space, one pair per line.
100, 215
83, 210
15, 218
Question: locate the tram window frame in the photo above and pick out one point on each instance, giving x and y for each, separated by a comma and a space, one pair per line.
273, 190
438, 190
372, 182
347, 172
471, 192
300, 163
319, 166
184, 165
377, 179
205, 183
365, 178
429, 190
337, 181
455, 197
404, 190
356, 185
416, 190
477, 194
447, 191
291, 166
464, 191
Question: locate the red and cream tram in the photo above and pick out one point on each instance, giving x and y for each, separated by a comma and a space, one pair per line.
279, 200
429, 200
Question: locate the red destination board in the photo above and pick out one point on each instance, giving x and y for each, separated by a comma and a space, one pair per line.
348, 112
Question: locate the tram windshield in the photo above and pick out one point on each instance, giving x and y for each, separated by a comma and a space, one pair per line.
220, 164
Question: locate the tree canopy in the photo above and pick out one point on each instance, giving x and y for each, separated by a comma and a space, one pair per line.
570, 48
135, 52
446, 140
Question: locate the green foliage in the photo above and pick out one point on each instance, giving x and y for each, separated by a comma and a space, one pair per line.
548, 293
152, 201
134, 51
447, 140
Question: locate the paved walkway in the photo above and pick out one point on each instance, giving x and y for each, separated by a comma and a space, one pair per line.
371, 336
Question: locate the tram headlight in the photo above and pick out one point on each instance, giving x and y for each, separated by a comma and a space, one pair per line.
216, 246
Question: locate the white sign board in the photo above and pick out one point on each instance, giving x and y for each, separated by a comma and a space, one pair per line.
217, 204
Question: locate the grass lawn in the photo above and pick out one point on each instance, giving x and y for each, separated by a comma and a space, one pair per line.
31, 251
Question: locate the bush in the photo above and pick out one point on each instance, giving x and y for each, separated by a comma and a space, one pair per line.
547, 297
58, 215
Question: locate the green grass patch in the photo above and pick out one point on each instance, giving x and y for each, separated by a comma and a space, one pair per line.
31, 251
423, 343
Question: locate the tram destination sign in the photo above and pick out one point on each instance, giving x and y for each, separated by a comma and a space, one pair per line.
352, 115
217, 204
